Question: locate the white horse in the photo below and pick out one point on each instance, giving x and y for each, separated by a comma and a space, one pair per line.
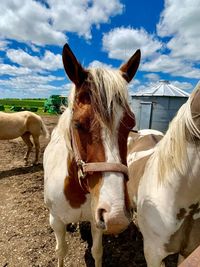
24, 124
85, 161
164, 185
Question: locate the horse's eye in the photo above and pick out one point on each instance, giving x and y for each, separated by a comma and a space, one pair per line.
84, 98
79, 126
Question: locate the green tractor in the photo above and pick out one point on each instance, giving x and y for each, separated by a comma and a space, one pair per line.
53, 104
2, 108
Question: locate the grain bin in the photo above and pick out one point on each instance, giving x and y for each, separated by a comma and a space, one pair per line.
155, 107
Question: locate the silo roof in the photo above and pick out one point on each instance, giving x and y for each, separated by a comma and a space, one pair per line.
163, 88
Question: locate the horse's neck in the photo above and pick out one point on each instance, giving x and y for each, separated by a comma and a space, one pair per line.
183, 188
189, 183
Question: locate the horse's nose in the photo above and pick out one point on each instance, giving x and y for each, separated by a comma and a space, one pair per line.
112, 220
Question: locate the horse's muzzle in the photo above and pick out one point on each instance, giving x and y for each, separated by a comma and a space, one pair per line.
112, 222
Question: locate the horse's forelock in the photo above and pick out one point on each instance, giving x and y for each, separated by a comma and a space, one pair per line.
107, 89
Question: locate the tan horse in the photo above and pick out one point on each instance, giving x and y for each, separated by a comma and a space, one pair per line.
164, 185
24, 124
85, 161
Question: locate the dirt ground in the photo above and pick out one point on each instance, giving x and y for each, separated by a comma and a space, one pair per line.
26, 239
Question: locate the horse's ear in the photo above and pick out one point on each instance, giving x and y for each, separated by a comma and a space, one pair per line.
76, 73
130, 67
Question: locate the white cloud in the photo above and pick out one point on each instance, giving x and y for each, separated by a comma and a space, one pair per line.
38, 23
49, 61
28, 81
6, 69
152, 77
28, 21
34, 48
183, 85
3, 45
98, 64
180, 20
121, 43
32, 77
173, 66
79, 16
179, 56
132, 87
31, 86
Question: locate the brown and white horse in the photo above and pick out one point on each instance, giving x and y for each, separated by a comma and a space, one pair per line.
24, 124
164, 185
85, 162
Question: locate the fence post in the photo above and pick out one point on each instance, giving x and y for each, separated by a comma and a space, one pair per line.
193, 260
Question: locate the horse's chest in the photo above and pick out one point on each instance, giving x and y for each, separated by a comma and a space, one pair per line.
66, 200
74, 193
59, 205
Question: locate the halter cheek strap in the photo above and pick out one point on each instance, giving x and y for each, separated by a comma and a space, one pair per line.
85, 168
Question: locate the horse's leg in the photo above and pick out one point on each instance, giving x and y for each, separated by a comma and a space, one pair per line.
180, 259
61, 245
97, 248
153, 256
27, 141
37, 148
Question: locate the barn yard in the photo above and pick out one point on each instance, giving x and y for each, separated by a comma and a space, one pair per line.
26, 240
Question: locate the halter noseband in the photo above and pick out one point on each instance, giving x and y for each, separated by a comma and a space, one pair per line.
85, 168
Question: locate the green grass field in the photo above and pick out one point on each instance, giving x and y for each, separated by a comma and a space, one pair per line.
8, 103
23, 102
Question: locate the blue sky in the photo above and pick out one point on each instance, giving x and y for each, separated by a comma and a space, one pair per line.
101, 32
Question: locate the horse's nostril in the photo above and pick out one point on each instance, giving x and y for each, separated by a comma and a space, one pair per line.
100, 214
100, 219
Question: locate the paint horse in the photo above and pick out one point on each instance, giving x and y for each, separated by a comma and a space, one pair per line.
24, 124
164, 185
85, 162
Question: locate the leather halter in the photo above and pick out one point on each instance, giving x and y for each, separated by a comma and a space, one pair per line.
85, 168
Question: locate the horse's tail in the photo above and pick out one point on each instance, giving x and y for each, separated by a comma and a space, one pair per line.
44, 129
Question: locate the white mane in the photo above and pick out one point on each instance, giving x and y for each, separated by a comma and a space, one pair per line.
171, 151
62, 128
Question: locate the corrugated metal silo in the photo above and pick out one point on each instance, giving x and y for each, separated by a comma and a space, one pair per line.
154, 108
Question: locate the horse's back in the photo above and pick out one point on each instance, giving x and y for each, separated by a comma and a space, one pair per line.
142, 142
16, 124
12, 125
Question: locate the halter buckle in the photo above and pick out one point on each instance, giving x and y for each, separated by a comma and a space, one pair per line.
81, 173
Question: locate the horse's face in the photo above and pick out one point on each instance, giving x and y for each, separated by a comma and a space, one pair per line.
86, 128
97, 142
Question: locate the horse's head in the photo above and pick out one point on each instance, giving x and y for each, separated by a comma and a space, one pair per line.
191, 118
195, 106
101, 121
